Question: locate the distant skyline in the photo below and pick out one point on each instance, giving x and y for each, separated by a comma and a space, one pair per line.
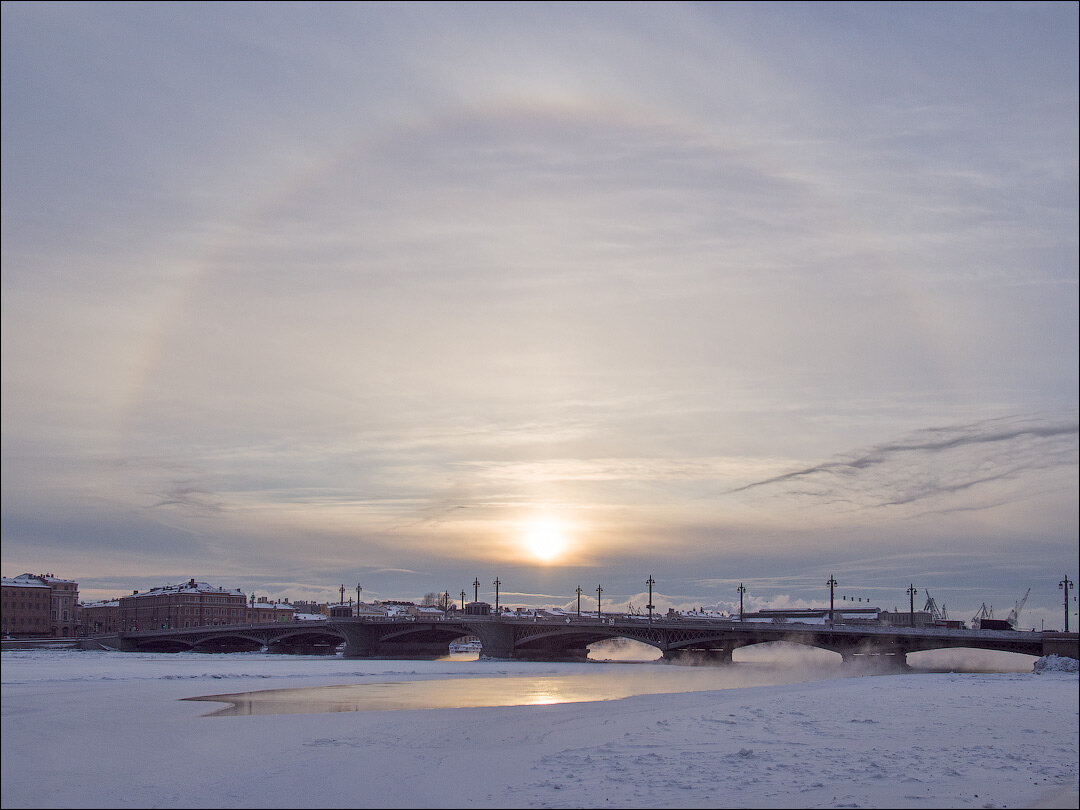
303, 295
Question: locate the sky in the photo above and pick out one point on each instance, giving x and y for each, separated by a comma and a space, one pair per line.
408, 296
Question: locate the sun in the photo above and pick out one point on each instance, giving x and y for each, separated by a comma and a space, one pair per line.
545, 541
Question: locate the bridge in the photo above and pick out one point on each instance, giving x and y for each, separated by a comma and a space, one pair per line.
567, 638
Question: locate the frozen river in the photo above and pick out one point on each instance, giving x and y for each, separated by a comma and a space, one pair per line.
101, 729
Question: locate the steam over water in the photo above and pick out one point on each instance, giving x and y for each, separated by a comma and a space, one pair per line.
764, 665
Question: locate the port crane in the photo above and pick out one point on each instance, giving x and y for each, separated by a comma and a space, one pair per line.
1014, 614
984, 613
936, 614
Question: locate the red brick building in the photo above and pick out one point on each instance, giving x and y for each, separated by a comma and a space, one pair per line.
262, 610
191, 604
96, 618
36, 605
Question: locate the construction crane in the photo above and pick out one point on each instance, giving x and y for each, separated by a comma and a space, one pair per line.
936, 614
987, 613
1014, 614
984, 613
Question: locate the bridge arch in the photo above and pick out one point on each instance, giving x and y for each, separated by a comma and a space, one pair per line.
166, 645
306, 641
766, 651
971, 658
228, 642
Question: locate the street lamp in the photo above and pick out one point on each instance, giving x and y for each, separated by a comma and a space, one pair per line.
342, 602
496, 583
359, 593
462, 600
911, 591
578, 600
832, 584
742, 590
1065, 584
650, 582
599, 591
476, 590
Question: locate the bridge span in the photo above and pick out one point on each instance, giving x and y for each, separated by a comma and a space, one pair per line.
568, 638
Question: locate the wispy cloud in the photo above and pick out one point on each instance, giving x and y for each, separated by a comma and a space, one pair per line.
191, 499
933, 463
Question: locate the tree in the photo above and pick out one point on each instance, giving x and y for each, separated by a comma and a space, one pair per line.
431, 599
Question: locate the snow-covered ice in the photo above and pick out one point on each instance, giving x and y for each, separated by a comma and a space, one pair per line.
101, 729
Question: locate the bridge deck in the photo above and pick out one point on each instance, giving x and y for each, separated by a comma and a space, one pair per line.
569, 636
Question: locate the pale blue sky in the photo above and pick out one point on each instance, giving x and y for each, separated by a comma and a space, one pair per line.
302, 295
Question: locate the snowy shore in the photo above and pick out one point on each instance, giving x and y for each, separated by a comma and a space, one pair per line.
111, 730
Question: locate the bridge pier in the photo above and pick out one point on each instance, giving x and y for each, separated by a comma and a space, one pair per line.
1063, 644
360, 640
683, 655
416, 651
496, 640
536, 654
301, 649
892, 661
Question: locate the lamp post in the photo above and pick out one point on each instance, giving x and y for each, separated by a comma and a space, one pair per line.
832, 585
1065, 585
578, 600
462, 600
476, 590
650, 582
359, 593
742, 590
342, 602
599, 591
911, 591
496, 583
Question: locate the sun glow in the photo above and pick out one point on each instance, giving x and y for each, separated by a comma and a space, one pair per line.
545, 541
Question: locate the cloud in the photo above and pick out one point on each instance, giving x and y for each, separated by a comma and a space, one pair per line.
191, 499
936, 463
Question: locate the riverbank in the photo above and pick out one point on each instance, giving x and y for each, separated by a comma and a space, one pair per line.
85, 729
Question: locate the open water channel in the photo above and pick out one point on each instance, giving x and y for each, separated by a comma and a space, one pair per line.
517, 683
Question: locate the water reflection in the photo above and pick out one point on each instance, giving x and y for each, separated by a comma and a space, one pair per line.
505, 690
535, 690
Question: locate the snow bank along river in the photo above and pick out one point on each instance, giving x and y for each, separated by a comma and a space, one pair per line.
84, 729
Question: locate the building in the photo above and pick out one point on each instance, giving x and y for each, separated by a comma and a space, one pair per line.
339, 610
36, 605
262, 610
397, 609
901, 618
98, 618
302, 606
26, 605
190, 604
